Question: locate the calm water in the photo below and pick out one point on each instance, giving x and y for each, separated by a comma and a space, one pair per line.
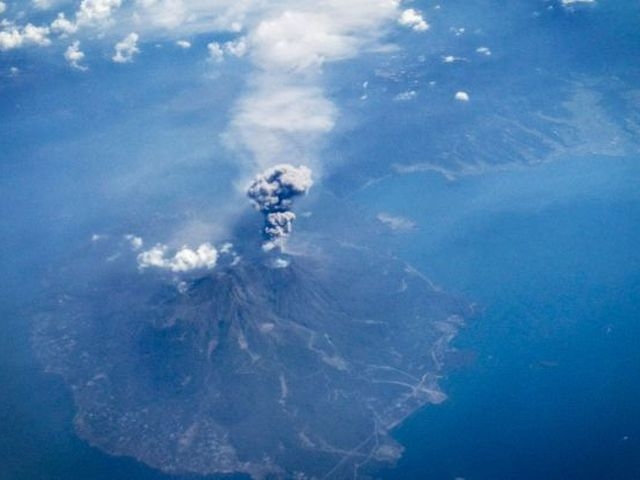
552, 255
550, 252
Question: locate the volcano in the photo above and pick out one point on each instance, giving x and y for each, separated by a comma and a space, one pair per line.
291, 367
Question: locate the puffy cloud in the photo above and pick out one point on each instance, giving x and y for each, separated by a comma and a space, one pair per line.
36, 35
15, 37
461, 96
63, 25
483, 51
313, 34
167, 14
73, 55
235, 48
89, 13
183, 44
126, 49
92, 12
272, 192
189, 17
3, 7
413, 19
135, 242
10, 39
299, 40
216, 53
184, 260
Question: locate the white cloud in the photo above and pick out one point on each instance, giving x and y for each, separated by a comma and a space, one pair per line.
572, 5
183, 44
236, 48
453, 59
3, 7
289, 110
406, 96
299, 40
36, 35
190, 17
395, 222
216, 53
135, 241
15, 37
168, 14
285, 113
413, 19
483, 51
42, 4
63, 25
93, 12
73, 55
10, 39
281, 119
462, 96
126, 49
184, 260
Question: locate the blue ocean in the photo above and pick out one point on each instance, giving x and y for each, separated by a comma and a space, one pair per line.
551, 392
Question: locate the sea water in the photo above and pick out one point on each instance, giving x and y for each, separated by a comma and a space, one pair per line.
551, 255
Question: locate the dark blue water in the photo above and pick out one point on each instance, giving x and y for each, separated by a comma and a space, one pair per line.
555, 392
553, 257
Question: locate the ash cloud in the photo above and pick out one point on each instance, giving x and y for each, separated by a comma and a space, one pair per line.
272, 193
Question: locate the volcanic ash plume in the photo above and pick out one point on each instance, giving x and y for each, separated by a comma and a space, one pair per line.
272, 192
